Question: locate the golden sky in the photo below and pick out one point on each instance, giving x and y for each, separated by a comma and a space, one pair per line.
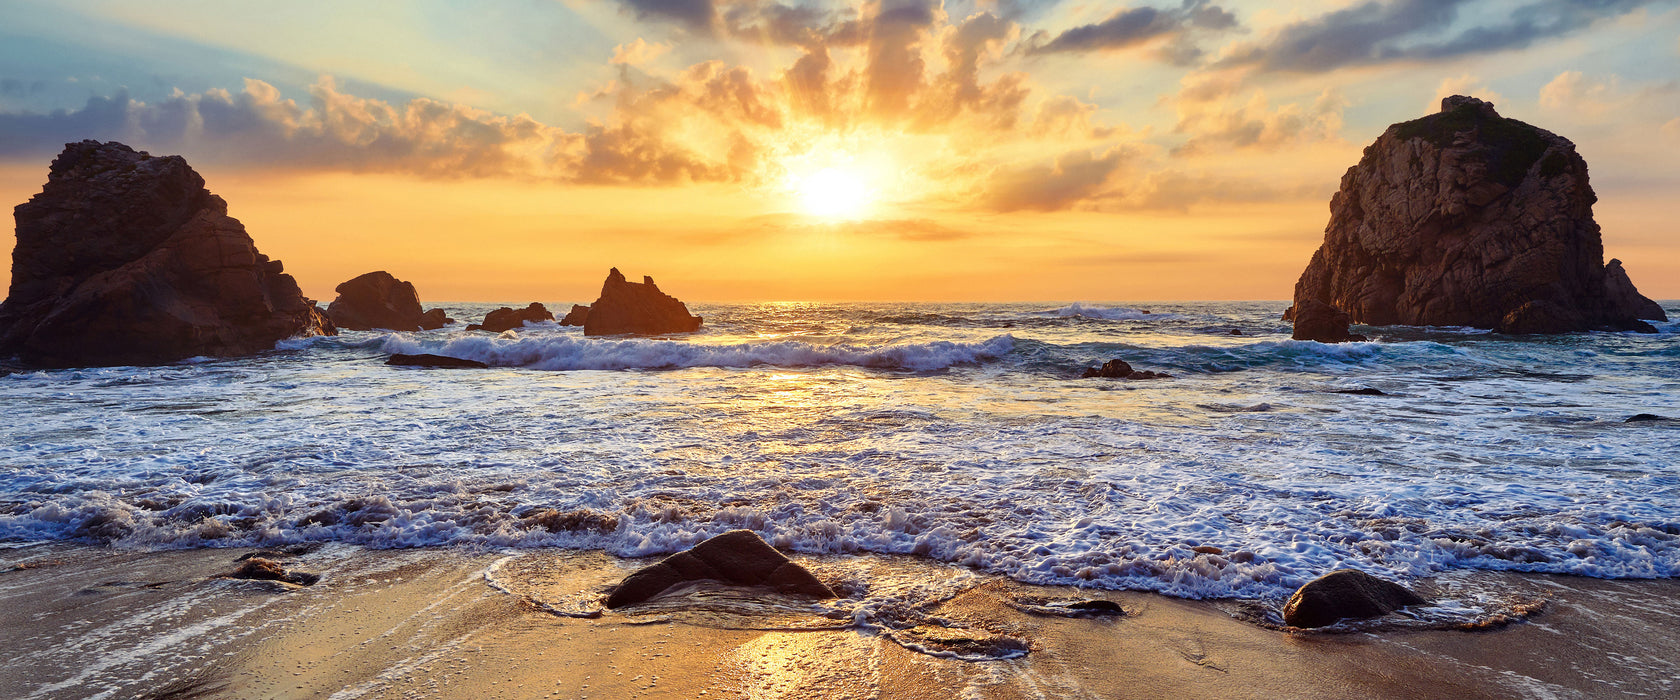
781, 150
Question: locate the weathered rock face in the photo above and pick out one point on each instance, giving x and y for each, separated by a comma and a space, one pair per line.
1346, 594
376, 300
125, 258
507, 318
1466, 218
1316, 320
628, 307
577, 316
737, 557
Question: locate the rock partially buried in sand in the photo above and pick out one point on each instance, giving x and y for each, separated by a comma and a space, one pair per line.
260, 569
1346, 595
1467, 218
738, 557
507, 319
125, 258
628, 307
440, 361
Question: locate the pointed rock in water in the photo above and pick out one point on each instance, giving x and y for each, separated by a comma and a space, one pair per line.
1346, 594
434, 319
124, 258
577, 316
629, 307
738, 557
440, 361
507, 319
1466, 218
1316, 320
376, 300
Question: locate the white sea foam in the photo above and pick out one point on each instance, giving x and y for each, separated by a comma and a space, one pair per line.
572, 352
1107, 313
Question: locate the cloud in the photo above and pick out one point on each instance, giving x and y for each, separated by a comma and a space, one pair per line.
637, 53
1573, 91
1132, 27
694, 14
1215, 121
1074, 177
12, 87
1378, 32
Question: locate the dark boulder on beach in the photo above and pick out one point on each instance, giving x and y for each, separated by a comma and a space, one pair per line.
577, 316
1467, 218
124, 258
1346, 594
737, 557
261, 569
1316, 320
434, 319
508, 318
376, 300
639, 308
1119, 369
429, 360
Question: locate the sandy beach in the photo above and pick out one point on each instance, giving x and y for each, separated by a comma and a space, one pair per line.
91, 622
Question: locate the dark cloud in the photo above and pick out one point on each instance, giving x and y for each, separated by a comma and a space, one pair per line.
694, 14
895, 70
12, 87
1132, 27
1075, 177
1418, 30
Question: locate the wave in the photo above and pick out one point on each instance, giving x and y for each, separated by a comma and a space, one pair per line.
570, 352
1104, 313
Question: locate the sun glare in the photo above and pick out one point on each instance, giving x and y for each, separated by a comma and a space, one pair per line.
834, 193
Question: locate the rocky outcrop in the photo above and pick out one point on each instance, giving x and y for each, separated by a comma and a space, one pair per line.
376, 300
508, 318
628, 307
737, 557
430, 360
1119, 369
1345, 594
577, 316
1316, 320
124, 258
1466, 218
434, 319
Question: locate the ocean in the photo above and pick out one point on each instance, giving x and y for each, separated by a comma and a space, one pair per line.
958, 432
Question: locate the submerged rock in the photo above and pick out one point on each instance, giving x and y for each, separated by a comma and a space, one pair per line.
1119, 369
441, 361
507, 318
1466, 218
1645, 417
736, 557
1345, 594
1316, 320
125, 258
376, 300
577, 316
1362, 391
629, 307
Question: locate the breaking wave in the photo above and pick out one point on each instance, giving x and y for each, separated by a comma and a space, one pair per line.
570, 352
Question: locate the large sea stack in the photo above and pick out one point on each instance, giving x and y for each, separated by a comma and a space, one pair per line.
376, 300
126, 259
1466, 218
628, 307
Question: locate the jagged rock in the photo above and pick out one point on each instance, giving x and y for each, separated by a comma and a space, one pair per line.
125, 258
429, 360
1345, 594
1466, 218
577, 316
376, 300
628, 307
506, 318
1118, 369
434, 319
1316, 320
737, 557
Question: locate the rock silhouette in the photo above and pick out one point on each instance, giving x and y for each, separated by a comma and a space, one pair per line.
125, 258
1466, 218
430, 360
434, 319
629, 307
577, 316
737, 557
1345, 594
508, 318
1316, 320
376, 300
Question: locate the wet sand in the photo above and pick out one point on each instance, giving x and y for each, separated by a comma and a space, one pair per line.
90, 622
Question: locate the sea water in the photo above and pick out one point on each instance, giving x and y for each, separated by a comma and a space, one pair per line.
958, 432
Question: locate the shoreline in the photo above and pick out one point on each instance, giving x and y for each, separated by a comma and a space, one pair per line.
89, 621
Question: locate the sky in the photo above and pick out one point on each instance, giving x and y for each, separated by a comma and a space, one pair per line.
762, 150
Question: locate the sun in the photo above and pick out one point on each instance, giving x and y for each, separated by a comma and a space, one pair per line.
834, 193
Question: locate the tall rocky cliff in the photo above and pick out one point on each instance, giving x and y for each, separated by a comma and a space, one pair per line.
1466, 218
125, 258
